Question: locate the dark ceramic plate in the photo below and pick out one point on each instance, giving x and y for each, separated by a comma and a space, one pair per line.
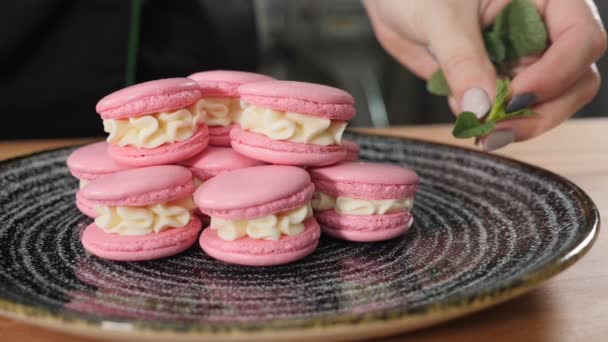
486, 229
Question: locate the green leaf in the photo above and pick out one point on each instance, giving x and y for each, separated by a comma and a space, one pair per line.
495, 47
502, 90
468, 126
500, 26
496, 38
438, 85
502, 95
518, 114
527, 32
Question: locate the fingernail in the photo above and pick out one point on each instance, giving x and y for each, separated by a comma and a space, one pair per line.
477, 101
521, 101
497, 139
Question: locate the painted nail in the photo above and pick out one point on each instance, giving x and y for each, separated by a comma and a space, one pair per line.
497, 139
521, 101
477, 101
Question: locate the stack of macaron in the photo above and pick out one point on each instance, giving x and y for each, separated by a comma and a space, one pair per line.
258, 164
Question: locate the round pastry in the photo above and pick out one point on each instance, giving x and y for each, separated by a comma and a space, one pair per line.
143, 214
88, 163
292, 123
154, 123
352, 150
220, 100
215, 160
260, 216
364, 202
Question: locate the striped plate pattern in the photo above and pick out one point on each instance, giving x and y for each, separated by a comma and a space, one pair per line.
485, 229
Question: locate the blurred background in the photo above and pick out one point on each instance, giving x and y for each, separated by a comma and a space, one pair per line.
59, 57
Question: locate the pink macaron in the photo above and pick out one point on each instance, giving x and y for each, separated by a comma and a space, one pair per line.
215, 160
260, 216
352, 150
89, 163
143, 214
292, 123
364, 202
220, 100
154, 123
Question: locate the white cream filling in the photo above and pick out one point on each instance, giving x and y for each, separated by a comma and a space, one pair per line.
144, 220
220, 111
293, 127
153, 130
356, 206
269, 227
82, 183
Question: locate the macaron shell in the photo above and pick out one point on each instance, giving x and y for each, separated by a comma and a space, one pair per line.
365, 180
254, 192
225, 82
85, 206
149, 97
352, 149
164, 154
313, 92
364, 228
92, 161
140, 187
215, 160
220, 135
251, 252
260, 147
138, 248
366, 172
300, 97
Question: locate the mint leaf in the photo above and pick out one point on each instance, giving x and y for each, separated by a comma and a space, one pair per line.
495, 47
468, 126
502, 95
526, 30
496, 38
500, 27
517, 114
438, 85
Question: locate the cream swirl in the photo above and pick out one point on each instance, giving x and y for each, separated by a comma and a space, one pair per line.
269, 227
356, 206
144, 220
293, 127
153, 130
219, 111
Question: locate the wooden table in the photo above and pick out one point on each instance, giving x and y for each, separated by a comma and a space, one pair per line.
573, 306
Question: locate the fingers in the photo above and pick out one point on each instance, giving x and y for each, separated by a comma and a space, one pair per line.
578, 40
454, 36
549, 114
413, 56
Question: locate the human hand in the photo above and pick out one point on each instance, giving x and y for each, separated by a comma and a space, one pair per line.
428, 35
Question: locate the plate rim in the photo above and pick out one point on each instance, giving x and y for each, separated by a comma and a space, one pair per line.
343, 326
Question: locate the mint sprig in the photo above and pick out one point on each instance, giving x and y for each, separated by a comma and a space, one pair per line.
438, 85
518, 31
469, 126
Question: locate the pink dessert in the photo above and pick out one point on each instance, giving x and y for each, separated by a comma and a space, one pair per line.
292, 123
154, 123
142, 214
352, 150
364, 202
220, 100
260, 216
88, 163
215, 160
